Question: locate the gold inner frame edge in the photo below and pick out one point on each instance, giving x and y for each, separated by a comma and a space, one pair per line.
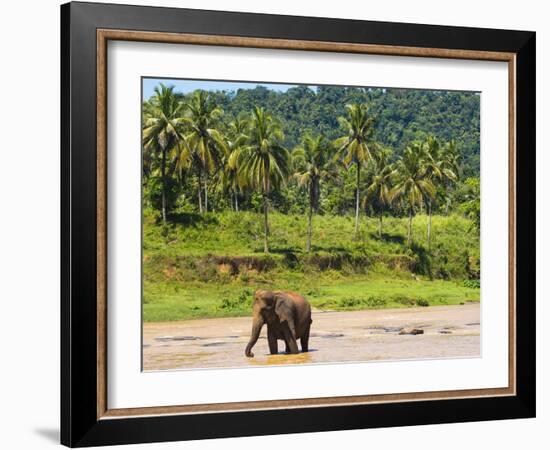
104, 35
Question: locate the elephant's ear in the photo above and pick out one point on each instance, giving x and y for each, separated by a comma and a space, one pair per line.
282, 309
269, 298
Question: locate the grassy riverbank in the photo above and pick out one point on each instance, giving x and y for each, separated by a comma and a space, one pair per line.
209, 265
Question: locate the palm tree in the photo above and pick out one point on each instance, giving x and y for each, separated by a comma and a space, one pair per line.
263, 161
162, 132
453, 161
229, 177
471, 203
441, 166
204, 144
314, 163
412, 183
378, 191
451, 157
355, 146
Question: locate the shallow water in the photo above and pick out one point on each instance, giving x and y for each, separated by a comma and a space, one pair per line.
355, 336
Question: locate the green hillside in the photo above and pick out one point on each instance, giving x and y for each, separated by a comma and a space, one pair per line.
402, 115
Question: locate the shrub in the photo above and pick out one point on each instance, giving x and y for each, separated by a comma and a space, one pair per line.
370, 302
473, 284
242, 302
404, 300
350, 302
422, 302
376, 302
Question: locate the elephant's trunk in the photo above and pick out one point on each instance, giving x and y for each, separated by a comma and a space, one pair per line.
256, 328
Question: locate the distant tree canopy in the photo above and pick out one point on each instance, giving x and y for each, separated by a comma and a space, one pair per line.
400, 115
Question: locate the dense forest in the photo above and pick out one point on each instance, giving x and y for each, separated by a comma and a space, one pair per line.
401, 115
292, 189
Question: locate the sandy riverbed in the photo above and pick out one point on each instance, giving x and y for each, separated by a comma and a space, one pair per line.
449, 331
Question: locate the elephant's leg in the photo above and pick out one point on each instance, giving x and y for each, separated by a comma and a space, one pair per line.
290, 339
272, 341
304, 340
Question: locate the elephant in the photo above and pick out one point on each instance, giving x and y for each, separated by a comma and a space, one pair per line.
288, 317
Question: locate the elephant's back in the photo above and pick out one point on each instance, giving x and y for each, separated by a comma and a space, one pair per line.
302, 305
297, 299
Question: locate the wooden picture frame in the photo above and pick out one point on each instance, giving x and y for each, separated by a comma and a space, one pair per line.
85, 417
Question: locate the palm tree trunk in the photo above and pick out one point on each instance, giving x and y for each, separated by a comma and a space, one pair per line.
308, 244
163, 193
409, 233
357, 199
199, 192
380, 226
429, 223
236, 202
266, 248
205, 194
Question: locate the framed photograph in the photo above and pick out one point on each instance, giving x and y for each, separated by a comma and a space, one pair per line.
276, 224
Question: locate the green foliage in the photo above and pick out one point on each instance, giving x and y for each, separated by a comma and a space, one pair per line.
422, 302
196, 261
413, 183
401, 115
153, 192
362, 303
455, 250
473, 284
164, 301
242, 303
470, 200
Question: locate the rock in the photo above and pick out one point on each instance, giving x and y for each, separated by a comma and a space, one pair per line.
392, 329
327, 335
176, 338
214, 344
411, 331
